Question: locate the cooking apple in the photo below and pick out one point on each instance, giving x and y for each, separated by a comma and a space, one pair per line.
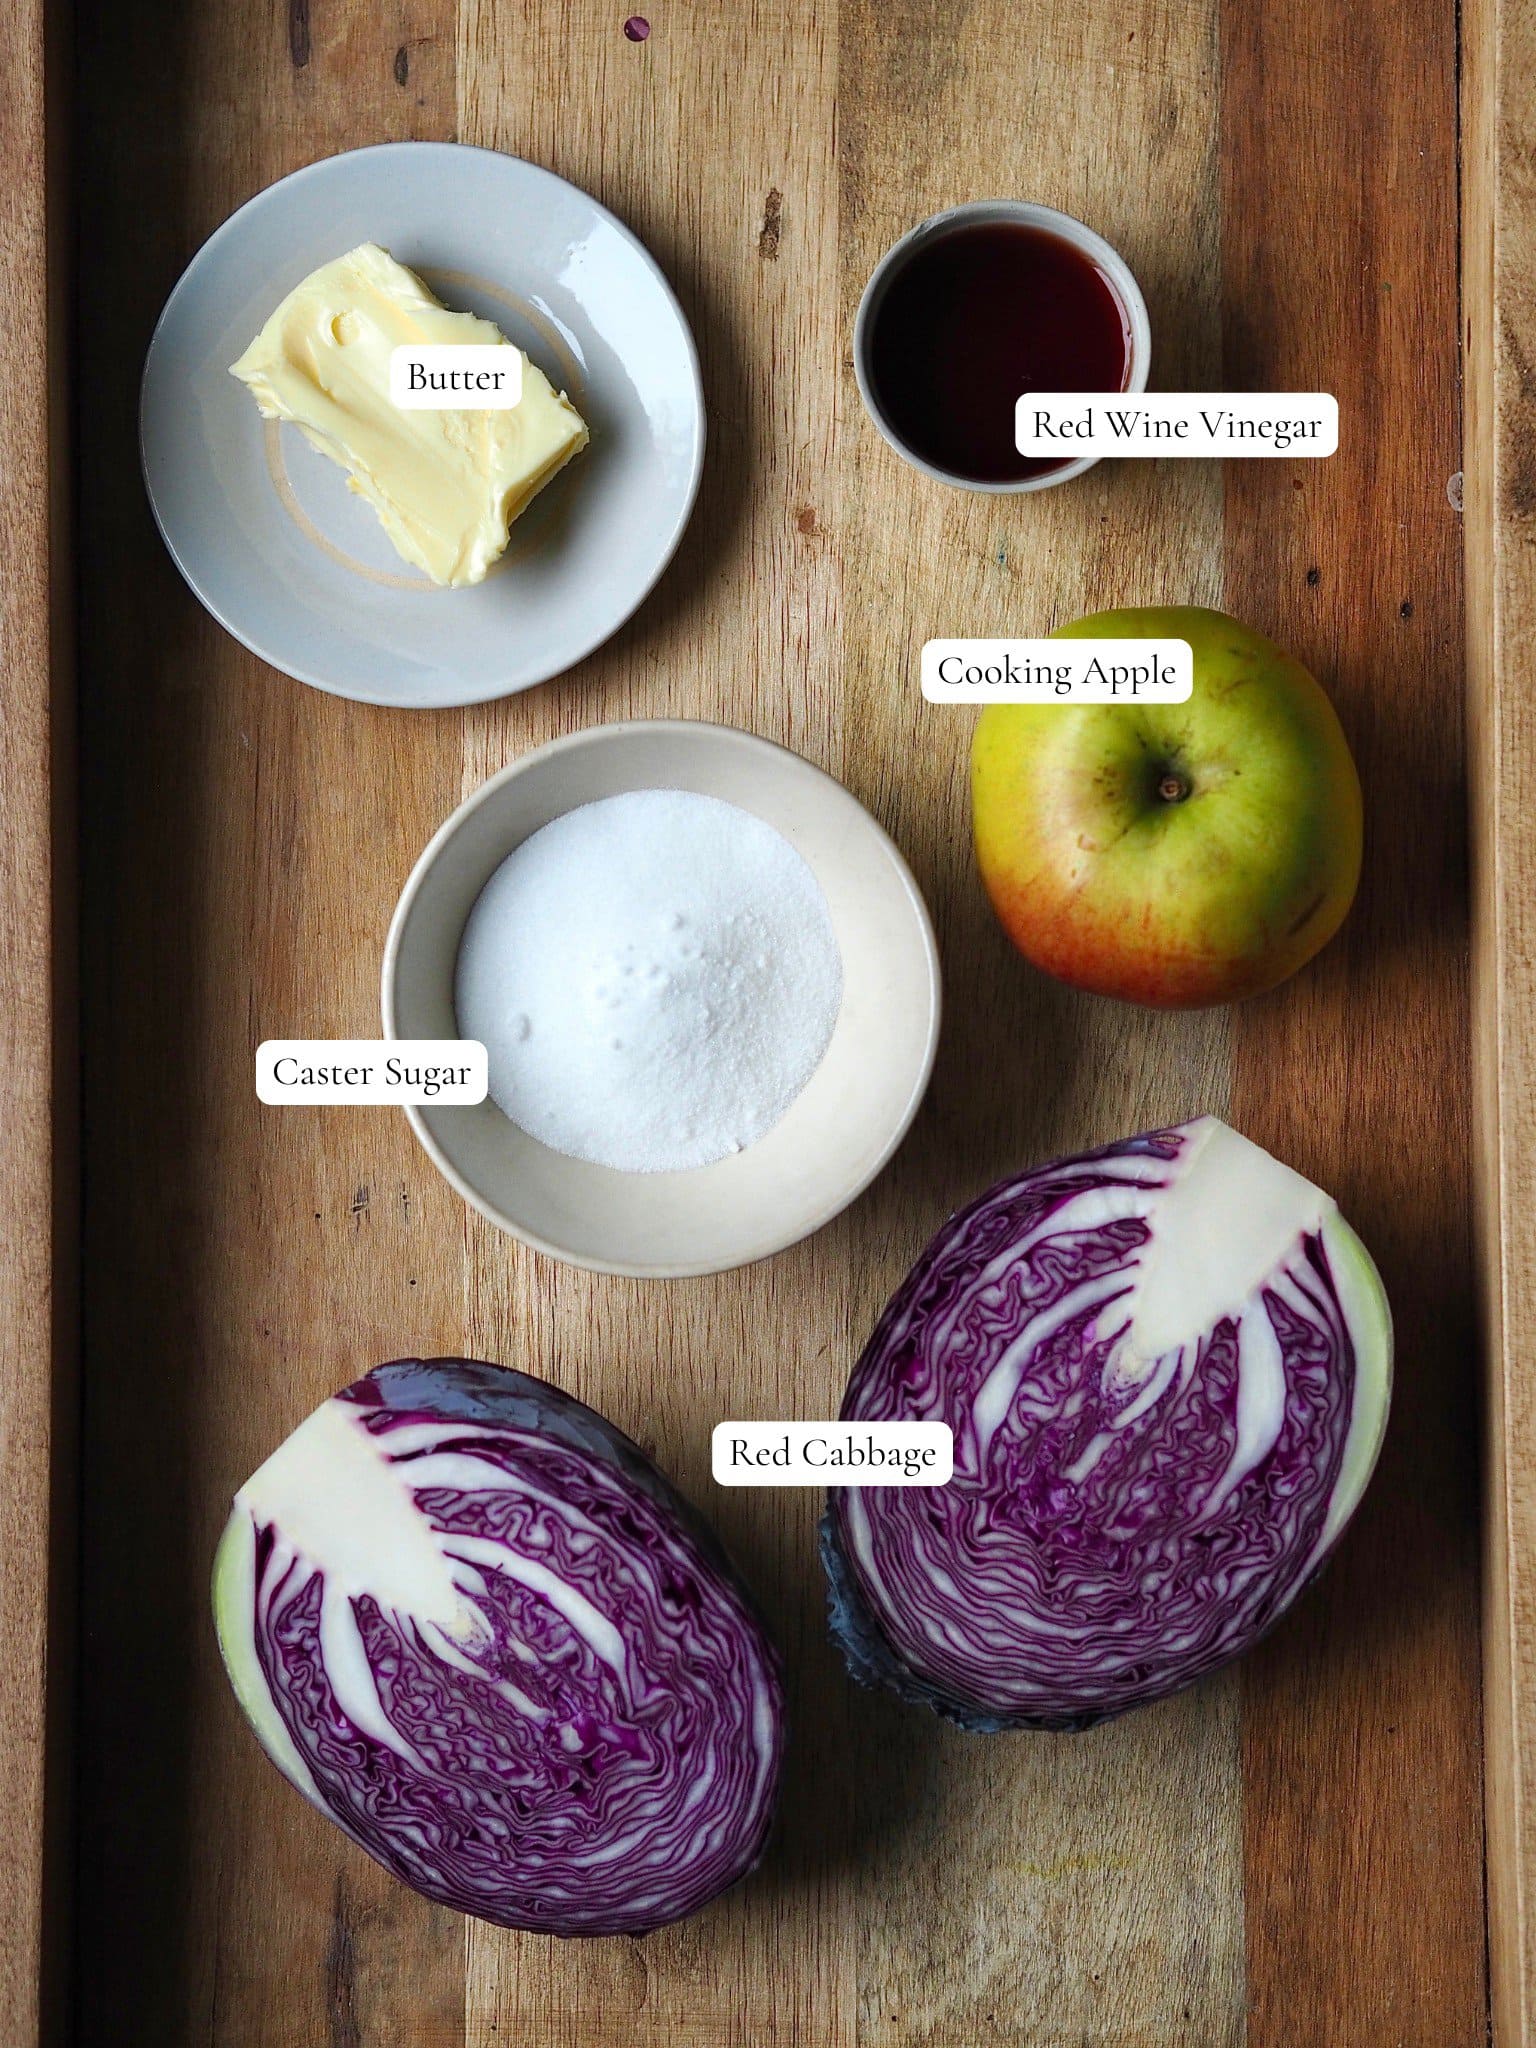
1173, 854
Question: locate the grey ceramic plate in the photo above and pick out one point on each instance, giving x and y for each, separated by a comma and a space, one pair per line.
296, 566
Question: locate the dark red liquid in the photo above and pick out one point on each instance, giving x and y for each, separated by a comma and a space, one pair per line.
975, 318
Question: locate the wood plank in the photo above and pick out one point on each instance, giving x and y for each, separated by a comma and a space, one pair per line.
38, 1086
1363, 1852
1098, 1893
743, 629
1499, 298
245, 841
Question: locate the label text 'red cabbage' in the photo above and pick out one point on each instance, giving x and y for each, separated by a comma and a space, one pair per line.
832, 1453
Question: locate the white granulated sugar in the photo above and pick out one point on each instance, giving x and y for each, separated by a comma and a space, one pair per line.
654, 977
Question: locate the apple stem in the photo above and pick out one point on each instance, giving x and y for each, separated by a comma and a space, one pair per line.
1173, 788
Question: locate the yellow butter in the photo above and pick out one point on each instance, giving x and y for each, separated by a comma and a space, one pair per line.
447, 485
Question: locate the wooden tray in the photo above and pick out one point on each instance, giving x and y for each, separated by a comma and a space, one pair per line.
1291, 1856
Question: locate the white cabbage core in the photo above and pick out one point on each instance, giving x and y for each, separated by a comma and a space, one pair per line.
1231, 1219
331, 1495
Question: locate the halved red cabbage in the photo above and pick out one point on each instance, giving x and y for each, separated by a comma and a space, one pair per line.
472, 1622
1167, 1366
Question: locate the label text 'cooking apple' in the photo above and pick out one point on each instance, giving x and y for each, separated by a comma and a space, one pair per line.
1054, 671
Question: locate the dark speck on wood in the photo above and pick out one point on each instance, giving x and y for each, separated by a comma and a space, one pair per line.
773, 226
298, 33
805, 519
402, 65
1314, 577
1405, 609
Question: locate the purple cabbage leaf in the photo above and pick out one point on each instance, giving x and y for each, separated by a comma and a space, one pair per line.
1167, 1366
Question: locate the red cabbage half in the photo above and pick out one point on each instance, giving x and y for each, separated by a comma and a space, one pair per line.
475, 1626
1167, 1366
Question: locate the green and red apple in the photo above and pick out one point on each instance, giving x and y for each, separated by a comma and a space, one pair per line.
1172, 854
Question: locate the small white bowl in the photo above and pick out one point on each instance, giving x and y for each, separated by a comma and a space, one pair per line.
839, 1132
987, 213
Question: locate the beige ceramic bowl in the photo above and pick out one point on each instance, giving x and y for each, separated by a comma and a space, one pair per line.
836, 1136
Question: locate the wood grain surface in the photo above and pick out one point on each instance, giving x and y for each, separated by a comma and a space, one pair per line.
1291, 1853
38, 1069
1499, 299
1360, 1758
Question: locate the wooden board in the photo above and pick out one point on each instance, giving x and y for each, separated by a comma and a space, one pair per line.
1290, 1854
1498, 283
38, 1085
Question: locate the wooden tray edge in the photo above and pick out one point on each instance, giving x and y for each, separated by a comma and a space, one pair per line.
1499, 490
39, 1068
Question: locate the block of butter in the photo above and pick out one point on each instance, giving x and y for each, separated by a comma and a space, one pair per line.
447, 485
